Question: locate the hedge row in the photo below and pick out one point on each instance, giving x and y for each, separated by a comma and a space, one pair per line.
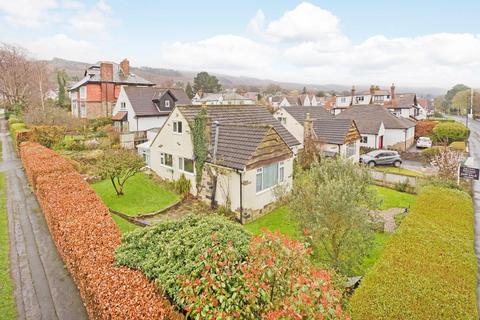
86, 237
428, 269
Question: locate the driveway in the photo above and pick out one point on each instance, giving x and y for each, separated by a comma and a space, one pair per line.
43, 287
474, 149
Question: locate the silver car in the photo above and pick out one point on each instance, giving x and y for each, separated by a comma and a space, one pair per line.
381, 157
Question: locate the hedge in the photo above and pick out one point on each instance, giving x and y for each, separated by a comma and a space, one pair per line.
428, 269
449, 132
86, 237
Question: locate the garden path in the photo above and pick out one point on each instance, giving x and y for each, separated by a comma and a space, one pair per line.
388, 217
43, 287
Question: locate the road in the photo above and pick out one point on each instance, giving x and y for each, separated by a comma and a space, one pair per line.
474, 149
43, 287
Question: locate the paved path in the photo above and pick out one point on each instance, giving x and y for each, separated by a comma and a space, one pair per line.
43, 287
388, 217
474, 148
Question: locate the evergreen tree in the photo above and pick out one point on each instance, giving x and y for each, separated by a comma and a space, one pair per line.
189, 90
206, 83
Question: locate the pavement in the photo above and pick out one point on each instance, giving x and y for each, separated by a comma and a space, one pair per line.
43, 286
474, 149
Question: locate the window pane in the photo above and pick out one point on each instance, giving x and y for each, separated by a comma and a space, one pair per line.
179, 127
259, 181
282, 174
270, 175
188, 165
174, 126
168, 160
180, 163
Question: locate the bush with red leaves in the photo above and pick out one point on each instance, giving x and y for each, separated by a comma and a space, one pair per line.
86, 237
424, 128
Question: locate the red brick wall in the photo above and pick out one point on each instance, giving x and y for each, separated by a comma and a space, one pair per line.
94, 92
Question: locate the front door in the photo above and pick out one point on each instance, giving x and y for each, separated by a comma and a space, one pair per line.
380, 142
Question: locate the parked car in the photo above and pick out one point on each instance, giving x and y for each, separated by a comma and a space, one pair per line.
424, 142
381, 157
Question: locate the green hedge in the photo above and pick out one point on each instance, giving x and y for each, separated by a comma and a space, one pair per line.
449, 132
428, 269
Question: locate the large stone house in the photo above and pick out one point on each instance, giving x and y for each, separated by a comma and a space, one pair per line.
249, 155
337, 137
95, 95
380, 128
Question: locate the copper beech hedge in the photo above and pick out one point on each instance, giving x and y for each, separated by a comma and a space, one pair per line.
86, 237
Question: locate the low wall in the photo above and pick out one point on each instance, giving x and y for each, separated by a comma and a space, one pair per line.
388, 179
86, 237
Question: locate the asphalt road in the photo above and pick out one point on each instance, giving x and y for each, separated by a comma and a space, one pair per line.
43, 287
474, 149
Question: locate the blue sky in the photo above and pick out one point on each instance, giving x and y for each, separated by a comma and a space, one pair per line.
427, 43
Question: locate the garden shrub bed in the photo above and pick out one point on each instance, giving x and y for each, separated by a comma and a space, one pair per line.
86, 237
428, 269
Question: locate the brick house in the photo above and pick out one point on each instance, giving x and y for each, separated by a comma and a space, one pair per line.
95, 95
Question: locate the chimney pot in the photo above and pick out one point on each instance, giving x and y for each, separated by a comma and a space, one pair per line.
392, 91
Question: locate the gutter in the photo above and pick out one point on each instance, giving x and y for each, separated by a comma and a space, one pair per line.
241, 197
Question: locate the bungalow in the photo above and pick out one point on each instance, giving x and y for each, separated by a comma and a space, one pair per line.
380, 128
337, 136
225, 98
249, 155
143, 108
95, 95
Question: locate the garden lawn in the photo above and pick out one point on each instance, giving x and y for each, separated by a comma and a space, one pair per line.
123, 224
279, 219
141, 195
379, 242
394, 199
403, 171
7, 302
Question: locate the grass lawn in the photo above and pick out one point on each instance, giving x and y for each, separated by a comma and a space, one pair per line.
123, 224
376, 251
404, 171
7, 302
279, 219
141, 195
394, 199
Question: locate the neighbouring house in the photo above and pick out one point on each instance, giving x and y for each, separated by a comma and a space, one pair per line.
249, 154
95, 95
338, 137
427, 104
405, 105
374, 96
224, 98
143, 108
380, 128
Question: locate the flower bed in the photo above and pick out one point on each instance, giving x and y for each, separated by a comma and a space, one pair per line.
86, 237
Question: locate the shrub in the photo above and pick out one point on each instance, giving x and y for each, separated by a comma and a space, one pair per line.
429, 153
71, 145
47, 136
95, 124
402, 186
448, 132
13, 120
17, 126
424, 128
276, 281
428, 268
86, 237
174, 248
183, 185
458, 145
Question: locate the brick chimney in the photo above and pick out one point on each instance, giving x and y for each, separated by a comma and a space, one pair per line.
125, 67
392, 92
106, 71
308, 129
372, 89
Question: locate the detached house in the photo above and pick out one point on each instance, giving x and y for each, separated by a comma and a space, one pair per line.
226, 98
380, 128
95, 95
144, 108
249, 155
336, 137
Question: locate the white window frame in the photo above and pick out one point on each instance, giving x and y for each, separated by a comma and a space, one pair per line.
163, 158
181, 165
280, 174
83, 93
176, 126
123, 105
167, 103
364, 139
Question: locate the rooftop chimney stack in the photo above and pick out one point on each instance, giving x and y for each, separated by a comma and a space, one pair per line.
125, 67
392, 92
106, 71
353, 95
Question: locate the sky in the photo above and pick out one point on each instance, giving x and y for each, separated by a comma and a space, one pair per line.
411, 43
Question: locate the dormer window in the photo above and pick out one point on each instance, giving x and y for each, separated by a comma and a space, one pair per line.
167, 103
123, 105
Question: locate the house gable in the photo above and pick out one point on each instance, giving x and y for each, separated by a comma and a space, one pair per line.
353, 134
271, 149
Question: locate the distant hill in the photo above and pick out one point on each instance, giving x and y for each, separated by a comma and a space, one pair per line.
161, 76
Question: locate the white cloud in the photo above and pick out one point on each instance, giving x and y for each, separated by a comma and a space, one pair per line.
257, 23
65, 47
306, 22
220, 53
95, 20
27, 13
